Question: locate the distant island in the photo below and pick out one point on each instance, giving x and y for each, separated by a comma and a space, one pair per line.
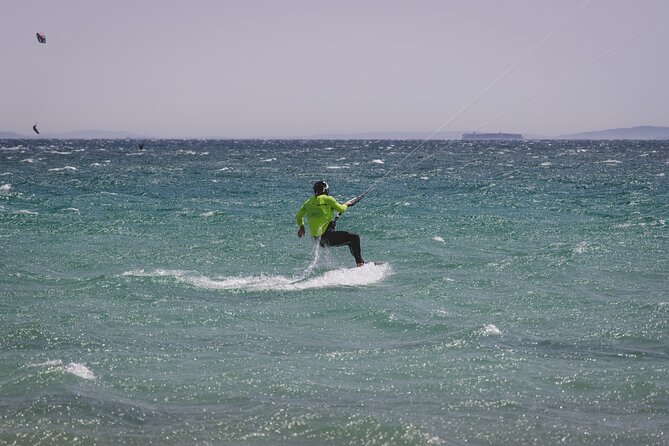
640, 132
388, 135
473, 136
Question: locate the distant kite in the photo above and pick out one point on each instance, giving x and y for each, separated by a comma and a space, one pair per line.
41, 37
35, 128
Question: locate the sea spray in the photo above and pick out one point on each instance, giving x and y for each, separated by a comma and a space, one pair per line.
368, 274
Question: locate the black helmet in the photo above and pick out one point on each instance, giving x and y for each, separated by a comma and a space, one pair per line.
321, 188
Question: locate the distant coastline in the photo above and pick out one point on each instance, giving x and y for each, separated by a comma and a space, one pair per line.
628, 133
640, 132
83, 134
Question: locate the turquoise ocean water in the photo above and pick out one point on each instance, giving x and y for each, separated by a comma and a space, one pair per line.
161, 296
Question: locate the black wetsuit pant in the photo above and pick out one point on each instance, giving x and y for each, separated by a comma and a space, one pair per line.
342, 238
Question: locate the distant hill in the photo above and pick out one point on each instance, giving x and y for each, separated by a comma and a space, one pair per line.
97, 134
641, 132
11, 135
83, 134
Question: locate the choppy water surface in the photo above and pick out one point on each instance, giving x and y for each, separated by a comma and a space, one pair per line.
161, 296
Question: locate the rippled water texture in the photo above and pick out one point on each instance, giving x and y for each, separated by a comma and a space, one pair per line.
161, 296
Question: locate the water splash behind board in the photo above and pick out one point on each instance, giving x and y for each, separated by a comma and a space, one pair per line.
369, 274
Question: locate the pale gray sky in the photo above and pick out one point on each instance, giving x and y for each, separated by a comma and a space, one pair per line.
297, 68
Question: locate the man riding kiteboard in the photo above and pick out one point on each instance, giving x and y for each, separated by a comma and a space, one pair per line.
319, 211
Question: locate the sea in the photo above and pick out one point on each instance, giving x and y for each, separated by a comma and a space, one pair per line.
515, 293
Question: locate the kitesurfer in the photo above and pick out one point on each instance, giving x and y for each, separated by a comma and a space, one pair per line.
319, 211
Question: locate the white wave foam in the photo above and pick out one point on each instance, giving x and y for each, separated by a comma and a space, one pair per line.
26, 212
436, 238
5, 188
344, 277
581, 248
60, 169
79, 370
377, 161
211, 214
74, 368
490, 329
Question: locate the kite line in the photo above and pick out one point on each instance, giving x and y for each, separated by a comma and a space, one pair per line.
476, 98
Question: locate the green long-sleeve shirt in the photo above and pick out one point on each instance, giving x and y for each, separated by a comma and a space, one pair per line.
319, 211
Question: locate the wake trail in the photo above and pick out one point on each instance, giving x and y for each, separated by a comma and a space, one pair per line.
368, 274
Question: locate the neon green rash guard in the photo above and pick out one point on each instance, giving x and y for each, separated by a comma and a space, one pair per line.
319, 211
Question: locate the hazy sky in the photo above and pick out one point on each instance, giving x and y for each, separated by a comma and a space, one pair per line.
282, 68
